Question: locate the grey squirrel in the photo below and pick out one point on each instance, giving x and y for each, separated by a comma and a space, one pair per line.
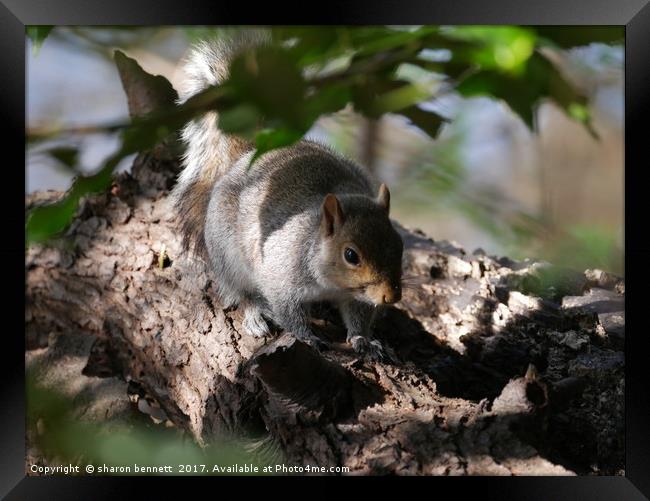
299, 225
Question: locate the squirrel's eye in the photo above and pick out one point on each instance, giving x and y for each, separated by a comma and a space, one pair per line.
351, 256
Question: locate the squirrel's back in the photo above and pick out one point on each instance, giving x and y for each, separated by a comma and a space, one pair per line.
254, 201
297, 177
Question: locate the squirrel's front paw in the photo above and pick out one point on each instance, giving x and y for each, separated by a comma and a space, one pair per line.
254, 323
371, 349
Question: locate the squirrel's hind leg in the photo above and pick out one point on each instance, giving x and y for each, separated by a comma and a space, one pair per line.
253, 320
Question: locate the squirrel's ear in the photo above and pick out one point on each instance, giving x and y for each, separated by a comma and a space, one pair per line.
331, 215
383, 198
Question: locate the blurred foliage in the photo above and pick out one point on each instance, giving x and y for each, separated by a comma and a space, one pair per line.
66, 155
579, 247
567, 37
37, 34
276, 92
438, 178
61, 438
437, 181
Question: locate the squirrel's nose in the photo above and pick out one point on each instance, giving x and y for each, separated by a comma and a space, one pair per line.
393, 296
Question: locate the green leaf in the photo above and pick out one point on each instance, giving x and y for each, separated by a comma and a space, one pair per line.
368, 90
269, 79
452, 70
570, 36
402, 97
383, 41
311, 44
427, 121
47, 221
561, 91
328, 99
504, 49
145, 134
269, 139
521, 98
241, 119
38, 34
523, 93
67, 155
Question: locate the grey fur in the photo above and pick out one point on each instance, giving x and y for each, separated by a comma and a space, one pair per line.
261, 229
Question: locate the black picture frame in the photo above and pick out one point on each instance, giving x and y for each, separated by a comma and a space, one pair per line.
633, 14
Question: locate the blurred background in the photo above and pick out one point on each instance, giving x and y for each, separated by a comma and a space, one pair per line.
486, 182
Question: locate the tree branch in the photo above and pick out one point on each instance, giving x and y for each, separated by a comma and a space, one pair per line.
487, 378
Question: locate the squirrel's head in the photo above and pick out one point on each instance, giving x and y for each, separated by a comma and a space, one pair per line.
362, 252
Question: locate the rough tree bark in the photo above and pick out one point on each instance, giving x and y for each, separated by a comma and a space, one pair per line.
487, 376
497, 366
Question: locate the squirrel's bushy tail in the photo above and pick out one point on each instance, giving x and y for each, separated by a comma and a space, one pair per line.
209, 152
